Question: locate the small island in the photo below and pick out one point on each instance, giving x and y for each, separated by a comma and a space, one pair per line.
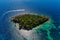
29, 21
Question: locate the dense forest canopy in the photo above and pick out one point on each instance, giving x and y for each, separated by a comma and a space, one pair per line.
29, 21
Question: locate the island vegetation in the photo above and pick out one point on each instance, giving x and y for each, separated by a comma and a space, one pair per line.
29, 21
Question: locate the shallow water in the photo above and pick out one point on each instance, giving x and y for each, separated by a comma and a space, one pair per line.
49, 8
34, 34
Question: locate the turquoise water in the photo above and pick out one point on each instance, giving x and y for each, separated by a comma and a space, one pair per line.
46, 27
49, 8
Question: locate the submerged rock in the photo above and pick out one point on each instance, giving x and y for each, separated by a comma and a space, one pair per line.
29, 21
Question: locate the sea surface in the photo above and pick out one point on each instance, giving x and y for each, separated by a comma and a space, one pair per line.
9, 8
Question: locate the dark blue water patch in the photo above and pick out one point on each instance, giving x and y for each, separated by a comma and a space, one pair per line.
5, 33
55, 33
51, 8
46, 6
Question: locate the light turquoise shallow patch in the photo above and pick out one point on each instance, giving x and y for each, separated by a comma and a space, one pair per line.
59, 32
46, 26
58, 26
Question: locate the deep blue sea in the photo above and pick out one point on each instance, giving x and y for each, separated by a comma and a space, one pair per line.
46, 7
